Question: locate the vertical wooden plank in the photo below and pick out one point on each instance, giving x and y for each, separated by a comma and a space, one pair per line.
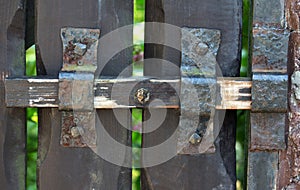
203, 171
12, 120
81, 168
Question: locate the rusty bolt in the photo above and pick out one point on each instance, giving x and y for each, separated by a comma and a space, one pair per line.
202, 48
195, 139
142, 96
80, 49
76, 131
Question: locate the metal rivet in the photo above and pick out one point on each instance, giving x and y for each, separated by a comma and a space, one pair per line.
76, 120
195, 139
79, 62
142, 96
202, 48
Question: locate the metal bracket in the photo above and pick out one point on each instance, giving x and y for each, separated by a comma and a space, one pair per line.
76, 87
199, 48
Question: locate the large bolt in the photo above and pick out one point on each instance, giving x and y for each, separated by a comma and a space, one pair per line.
195, 139
142, 96
80, 49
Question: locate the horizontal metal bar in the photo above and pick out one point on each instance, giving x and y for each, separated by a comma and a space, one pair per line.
233, 93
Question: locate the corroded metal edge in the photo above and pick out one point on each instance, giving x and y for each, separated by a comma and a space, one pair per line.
80, 49
76, 86
198, 89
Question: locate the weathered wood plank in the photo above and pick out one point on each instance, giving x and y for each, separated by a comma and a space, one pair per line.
204, 171
12, 120
81, 168
235, 93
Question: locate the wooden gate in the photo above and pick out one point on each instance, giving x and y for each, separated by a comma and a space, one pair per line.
271, 93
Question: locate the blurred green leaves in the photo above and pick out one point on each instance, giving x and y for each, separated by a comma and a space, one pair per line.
139, 11
32, 127
136, 145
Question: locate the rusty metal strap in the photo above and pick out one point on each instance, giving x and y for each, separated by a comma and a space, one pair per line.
76, 86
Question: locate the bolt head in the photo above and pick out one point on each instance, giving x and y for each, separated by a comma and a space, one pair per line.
80, 49
142, 96
195, 139
202, 48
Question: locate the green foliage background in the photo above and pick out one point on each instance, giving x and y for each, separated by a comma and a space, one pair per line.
32, 127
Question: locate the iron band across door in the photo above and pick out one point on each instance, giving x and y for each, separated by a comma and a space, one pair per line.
77, 93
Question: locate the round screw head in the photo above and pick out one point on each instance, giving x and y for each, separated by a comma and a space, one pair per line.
142, 96
195, 139
76, 120
79, 63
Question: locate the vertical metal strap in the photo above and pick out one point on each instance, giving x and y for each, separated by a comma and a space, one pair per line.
76, 86
198, 90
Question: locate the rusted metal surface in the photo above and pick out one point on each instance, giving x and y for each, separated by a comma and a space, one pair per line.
269, 92
198, 89
266, 176
270, 47
80, 49
76, 86
293, 13
76, 91
268, 131
78, 129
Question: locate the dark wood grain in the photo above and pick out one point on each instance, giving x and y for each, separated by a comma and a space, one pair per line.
80, 168
204, 171
234, 92
12, 120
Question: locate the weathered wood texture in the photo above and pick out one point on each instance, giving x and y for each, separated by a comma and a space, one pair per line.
269, 59
204, 171
12, 120
235, 93
289, 158
80, 168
